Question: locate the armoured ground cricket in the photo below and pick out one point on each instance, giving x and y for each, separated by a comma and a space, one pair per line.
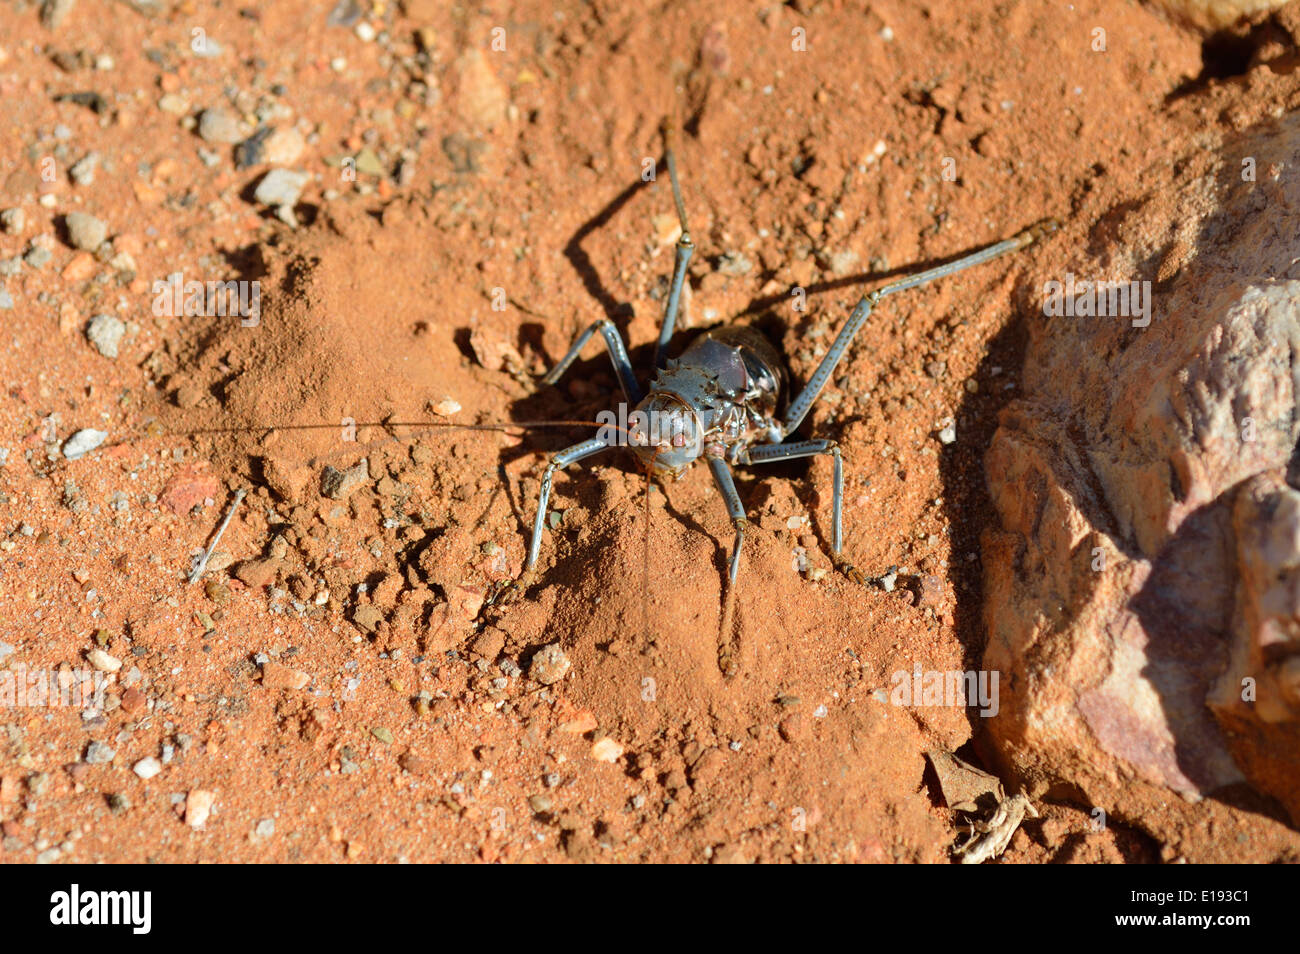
726, 399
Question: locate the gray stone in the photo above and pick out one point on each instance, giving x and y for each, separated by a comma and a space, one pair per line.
220, 125
85, 231
281, 187
54, 12
341, 484
13, 221
105, 333
549, 665
83, 170
98, 753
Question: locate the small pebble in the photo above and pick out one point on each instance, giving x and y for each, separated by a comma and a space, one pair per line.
340, 484
173, 104
147, 768
198, 806
208, 49
607, 749
105, 333
97, 753
13, 221
277, 676
369, 164
220, 125
549, 665
281, 187
118, 803
345, 13
735, 263
103, 661
83, 170
83, 442
85, 231
282, 147
54, 12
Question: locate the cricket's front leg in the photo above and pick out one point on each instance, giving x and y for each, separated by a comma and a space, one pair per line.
511, 590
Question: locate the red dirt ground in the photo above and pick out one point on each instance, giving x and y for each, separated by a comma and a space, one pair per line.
520, 169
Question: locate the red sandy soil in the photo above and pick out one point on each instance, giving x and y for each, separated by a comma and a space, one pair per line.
415, 736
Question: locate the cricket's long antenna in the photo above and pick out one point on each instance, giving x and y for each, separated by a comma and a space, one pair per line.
670, 156
450, 425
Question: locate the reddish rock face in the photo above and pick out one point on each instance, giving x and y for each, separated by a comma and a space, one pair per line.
1143, 579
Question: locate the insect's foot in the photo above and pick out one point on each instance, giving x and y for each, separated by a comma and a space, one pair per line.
508, 591
848, 569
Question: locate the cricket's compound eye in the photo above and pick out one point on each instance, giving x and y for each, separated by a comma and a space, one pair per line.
663, 430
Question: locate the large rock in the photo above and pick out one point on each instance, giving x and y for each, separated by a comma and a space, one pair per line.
1211, 16
1145, 573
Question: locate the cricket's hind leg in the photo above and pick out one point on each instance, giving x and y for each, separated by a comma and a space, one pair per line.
771, 453
735, 510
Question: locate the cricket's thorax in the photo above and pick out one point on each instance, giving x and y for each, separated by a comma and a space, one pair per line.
722, 395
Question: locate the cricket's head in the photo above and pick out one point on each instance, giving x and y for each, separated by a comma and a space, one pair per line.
664, 431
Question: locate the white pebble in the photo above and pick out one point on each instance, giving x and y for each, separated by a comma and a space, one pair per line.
198, 806
147, 767
105, 332
83, 442
281, 187
103, 661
